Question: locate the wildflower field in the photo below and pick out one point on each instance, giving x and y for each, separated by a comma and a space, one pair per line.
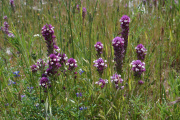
90, 59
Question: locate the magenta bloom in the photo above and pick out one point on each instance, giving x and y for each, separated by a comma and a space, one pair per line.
54, 65
77, 7
141, 52
34, 68
140, 82
116, 79
125, 20
5, 29
11, 35
118, 45
72, 63
48, 34
56, 49
5, 17
63, 58
11, 2
84, 12
41, 64
100, 64
44, 82
138, 67
99, 48
101, 82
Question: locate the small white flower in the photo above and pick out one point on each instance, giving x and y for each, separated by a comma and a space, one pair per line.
136, 69
102, 64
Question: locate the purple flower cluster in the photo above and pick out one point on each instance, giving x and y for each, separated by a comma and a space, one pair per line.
54, 64
40, 65
140, 82
116, 79
138, 67
5, 17
48, 34
72, 63
44, 82
11, 2
5, 29
34, 68
84, 12
83, 108
141, 52
100, 64
63, 58
16, 73
77, 7
99, 48
118, 45
79, 94
11, 82
101, 82
125, 20
56, 49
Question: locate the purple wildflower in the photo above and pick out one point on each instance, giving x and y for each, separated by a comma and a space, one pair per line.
118, 45
82, 108
175, 1
138, 67
80, 71
16, 74
30, 87
63, 58
44, 82
101, 82
140, 82
56, 49
100, 64
11, 35
79, 94
41, 64
99, 48
77, 7
5, 28
11, 82
22, 96
116, 79
84, 12
122, 87
5, 17
72, 64
48, 34
34, 68
125, 20
37, 104
11, 2
141, 52
54, 64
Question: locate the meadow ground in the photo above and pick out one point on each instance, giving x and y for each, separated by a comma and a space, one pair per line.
80, 91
